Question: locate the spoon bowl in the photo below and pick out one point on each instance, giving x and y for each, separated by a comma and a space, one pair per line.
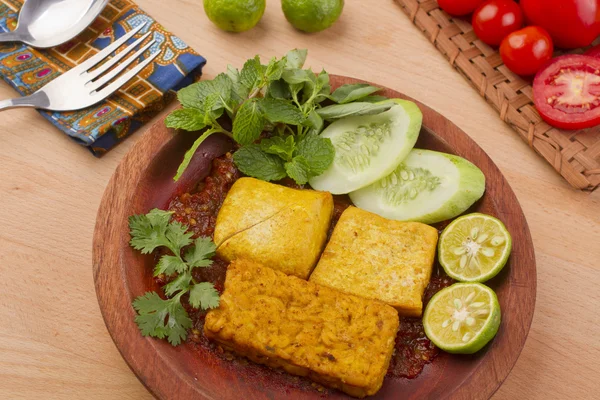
49, 23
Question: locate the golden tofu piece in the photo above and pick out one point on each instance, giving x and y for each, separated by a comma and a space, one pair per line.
281, 228
342, 341
377, 258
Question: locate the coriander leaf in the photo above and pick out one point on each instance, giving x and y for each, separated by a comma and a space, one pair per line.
318, 152
252, 161
149, 231
277, 110
274, 69
188, 119
349, 93
374, 99
200, 254
239, 92
352, 109
204, 295
187, 158
252, 74
178, 236
295, 76
248, 123
296, 58
181, 283
168, 265
298, 169
152, 313
277, 145
279, 89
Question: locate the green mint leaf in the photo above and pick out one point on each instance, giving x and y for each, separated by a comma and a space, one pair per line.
323, 86
337, 111
162, 318
298, 169
349, 93
254, 162
193, 96
313, 86
296, 58
187, 158
248, 123
239, 92
296, 76
200, 254
169, 265
181, 283
149, 231
295, 89
279, 89
374, 99
318, 153
277, 110
315, 122
213, 108
223, 85
252, 74
188, 119
274, 69
277, 145
204, 295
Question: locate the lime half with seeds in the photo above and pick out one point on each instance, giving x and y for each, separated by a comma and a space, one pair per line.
474, 248
462, 318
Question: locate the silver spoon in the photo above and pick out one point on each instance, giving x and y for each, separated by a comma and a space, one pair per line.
48, 23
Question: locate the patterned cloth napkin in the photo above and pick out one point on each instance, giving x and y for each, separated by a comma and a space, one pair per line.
102, 126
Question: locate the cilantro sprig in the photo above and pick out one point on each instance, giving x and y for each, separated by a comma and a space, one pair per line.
158, 317
280, 98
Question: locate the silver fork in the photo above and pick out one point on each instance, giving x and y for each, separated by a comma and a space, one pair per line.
83, 86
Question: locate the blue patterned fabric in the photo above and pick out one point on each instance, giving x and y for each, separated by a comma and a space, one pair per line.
102, 126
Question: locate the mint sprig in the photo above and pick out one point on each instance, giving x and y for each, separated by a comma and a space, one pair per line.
279, 98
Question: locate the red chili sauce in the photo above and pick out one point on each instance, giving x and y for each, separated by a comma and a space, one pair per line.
199, 210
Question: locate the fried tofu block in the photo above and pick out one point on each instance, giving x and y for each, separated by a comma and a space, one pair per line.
281, 228
376, 258
339, 340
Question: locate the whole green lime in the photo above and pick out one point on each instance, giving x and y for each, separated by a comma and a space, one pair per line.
312, 15
234, 15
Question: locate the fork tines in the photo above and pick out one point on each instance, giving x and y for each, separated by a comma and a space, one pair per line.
99, 84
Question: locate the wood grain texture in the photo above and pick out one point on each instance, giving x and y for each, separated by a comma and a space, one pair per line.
54, 342
143, 181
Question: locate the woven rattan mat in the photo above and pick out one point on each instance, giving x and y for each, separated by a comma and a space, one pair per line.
574, 154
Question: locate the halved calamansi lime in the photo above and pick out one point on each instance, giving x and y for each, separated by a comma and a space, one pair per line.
462, 318
474, 248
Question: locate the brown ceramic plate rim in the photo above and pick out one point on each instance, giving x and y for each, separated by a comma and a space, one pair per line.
157, 372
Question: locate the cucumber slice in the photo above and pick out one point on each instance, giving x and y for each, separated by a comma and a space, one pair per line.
427, 187
367, 148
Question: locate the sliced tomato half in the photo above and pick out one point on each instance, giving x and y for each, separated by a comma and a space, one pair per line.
566, 92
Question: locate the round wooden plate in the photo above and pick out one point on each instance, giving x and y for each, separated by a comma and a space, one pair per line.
143, 181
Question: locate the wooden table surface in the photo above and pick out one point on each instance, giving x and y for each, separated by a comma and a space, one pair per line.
53, 342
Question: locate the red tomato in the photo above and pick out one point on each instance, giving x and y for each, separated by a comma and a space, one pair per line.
566, 92
593, 52
526, 50
459, 7
495, 19
571, 23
